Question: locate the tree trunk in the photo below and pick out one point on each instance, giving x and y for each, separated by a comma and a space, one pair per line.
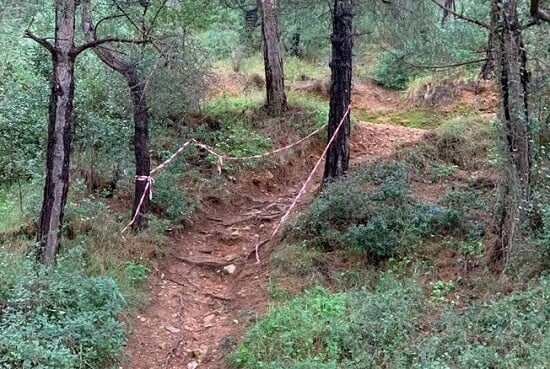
514, 113
337, 160
488, 69
141, 150
59, 133
448, 4
274, 76
141, 120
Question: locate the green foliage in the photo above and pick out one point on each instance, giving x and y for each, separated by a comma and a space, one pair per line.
543, 239
461, 142
23, 107
390, 71
372, 212
57, 318
507, 333
466, 142
452, 216
171, 197
217, 43
394, 326
413, 32
440, 289
135, 272
298, 334
239, 141
175, 84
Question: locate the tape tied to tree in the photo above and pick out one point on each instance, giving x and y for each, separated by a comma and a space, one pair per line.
220, 160
150, 180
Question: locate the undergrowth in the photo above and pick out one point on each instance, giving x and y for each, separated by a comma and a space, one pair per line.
374, 213
57, 318
69, 316
394, 325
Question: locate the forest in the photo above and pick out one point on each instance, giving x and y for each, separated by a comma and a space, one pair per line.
266, 184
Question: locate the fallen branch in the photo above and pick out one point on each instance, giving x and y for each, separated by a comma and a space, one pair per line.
203, 263
171, 353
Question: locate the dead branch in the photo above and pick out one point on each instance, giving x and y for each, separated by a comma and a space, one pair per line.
203, 263
41, 41
251, 217
172, 353
95, 43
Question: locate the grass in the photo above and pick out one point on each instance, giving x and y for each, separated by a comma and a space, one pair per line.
70, 316
374, 328
294, 68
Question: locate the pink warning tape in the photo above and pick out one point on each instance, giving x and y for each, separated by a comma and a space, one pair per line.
304, 186
221, 158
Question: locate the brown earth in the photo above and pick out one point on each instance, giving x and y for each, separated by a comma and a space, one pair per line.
208, 289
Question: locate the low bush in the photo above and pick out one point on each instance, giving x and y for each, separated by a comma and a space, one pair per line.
170, 198
543, 239
395, 325
372, 212
452, 215
301, 334
390, 71
57, 318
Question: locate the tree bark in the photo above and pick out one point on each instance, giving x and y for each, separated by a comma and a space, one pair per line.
449, 4
274, 75
136, 86
59, 133
488, 69
337, 160
513, 84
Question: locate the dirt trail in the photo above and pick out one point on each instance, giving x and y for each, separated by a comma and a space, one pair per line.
200, 306
208, 290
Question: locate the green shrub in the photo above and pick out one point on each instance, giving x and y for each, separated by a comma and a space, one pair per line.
390, 71
465, 142
452, 215
396, 326
381, 324
57, 318
304, 333
509, 333
543, 239
169, 196
372, 212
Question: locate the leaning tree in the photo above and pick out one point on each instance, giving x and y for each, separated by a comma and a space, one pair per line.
129, 70
508, 53
517, 137
60, 124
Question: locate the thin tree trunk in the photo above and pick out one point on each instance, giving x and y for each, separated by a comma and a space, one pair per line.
513, 84
59, 133
130, 72
488, 69
274, 75
141, 150
337, 160
448, 4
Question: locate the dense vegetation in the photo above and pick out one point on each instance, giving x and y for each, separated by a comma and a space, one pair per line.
364, 251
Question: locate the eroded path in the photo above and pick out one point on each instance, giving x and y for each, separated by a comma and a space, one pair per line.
209, 288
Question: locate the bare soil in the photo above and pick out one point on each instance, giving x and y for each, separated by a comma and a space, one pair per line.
209, 289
